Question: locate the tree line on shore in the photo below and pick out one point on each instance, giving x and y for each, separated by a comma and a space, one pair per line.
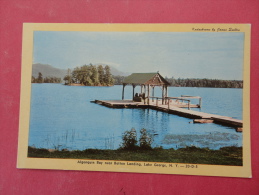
41, 79
90, 75
216, 83
190, 82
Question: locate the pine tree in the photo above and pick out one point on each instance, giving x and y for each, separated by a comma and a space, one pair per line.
101, 74
86, 76
95, 75
108, 80
40, 78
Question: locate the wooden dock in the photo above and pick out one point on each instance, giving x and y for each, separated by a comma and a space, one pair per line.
174, 107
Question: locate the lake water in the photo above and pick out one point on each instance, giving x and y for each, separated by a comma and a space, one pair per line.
63, 117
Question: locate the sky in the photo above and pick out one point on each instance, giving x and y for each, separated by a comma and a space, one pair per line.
173, 54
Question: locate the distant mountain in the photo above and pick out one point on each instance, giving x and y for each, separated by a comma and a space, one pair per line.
114, 70
47, 71
50, 71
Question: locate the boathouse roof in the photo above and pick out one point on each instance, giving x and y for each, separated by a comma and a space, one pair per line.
145, 79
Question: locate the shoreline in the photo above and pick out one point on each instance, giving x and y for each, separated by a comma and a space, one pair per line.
224, 156
121, 85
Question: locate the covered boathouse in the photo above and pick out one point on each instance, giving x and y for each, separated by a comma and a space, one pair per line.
172, 105
147, 83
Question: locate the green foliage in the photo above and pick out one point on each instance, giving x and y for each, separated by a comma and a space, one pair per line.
118, 80
100, 71
41, 79
224, 156
33, 79
108, 76
213, 83
67, 79
130, 141
52, 80
94, 76
86, 75
76, 76
145, 139
90, 75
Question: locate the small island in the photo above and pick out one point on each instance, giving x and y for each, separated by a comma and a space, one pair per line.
89, 75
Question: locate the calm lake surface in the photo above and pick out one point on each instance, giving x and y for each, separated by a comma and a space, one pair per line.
63, 117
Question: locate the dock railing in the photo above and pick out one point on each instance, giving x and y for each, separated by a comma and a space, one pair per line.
167, 100
177, 98
193, 97
182, 99
157, 98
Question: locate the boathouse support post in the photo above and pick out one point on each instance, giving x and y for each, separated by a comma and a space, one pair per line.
168, 102
153, 93
148, 94
123, 91
188, 104
163, 94
133, 92
144, 94
166, 93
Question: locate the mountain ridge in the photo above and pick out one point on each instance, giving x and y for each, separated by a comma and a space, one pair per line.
47, 71
51, 71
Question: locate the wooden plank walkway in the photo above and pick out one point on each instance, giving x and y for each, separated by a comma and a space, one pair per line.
174, 108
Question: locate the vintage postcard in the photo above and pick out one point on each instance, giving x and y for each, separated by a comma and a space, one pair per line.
142, 98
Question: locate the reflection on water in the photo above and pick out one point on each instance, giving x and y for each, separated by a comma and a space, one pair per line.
63, 117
